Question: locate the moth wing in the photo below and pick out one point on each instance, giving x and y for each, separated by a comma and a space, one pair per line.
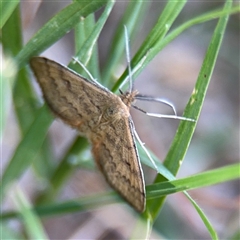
117, 157
69, 95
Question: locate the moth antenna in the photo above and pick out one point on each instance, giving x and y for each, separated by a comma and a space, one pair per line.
169, 116
128, 59
148, 98
163, 115
153, 99
145, 149
85, 69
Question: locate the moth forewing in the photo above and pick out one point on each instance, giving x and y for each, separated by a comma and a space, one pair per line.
103, 118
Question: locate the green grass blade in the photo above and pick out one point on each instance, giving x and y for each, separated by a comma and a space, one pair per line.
135, 13
165, 21
85, 52
205, 220
6, 9
23, 92
197, 20
204, 179
27, 148
87, 41
185, 131
7, 77
72, 206
61, 23
12, 33
30, 219
144, 59
24, 97
82, 31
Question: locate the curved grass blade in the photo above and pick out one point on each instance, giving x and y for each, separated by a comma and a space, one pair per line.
139, 63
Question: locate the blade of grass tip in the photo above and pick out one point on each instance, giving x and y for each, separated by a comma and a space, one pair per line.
185, 131
165, 21
58, 26
197, 20
30, 220
208, 178
6, 9
150, 54
27, 149
134, 13
206, 222
84, 54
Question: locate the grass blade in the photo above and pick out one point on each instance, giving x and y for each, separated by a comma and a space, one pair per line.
27, 148
59, 25
185, 131
6, 9
204, 179
134, 13
30, 219
166, 19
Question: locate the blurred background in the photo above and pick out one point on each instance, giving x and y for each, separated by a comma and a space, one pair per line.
171, 75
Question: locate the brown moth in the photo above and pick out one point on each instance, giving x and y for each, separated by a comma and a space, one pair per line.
103, 118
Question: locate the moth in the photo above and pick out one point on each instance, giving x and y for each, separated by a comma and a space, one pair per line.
103, 118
